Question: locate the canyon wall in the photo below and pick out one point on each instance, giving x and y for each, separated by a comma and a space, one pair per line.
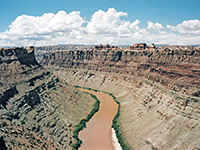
158, 90
37, 109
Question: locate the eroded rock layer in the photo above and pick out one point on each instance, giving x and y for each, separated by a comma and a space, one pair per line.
158, 90
37, 109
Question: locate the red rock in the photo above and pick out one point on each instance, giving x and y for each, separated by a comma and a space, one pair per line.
138, 46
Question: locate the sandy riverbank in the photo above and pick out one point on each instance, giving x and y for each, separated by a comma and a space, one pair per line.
115, 141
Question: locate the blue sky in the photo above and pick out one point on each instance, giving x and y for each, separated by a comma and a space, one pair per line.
164, 12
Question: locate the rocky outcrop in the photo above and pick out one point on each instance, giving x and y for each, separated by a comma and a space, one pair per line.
6, 95
142, 46
138, 46
158, 91
24, 56
37, 110
107, 46
2, 144
164, 64
152, 46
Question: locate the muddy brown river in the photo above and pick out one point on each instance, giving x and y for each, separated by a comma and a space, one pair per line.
98, 134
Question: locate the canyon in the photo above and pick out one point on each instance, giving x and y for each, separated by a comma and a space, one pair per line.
158, 90
37, 109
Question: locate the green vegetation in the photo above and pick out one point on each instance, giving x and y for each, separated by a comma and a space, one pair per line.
82, 123
76, 86
115, 124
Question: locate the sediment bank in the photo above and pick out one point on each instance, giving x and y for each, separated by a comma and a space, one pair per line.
101, 123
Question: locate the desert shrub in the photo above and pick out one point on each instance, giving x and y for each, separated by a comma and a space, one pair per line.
116, 126
82, 123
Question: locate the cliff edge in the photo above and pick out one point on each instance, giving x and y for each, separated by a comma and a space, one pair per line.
37, 109
158, 90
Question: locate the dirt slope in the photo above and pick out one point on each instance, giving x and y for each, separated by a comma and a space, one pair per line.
37, 109
158, 91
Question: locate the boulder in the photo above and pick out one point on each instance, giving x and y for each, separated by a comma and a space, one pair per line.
152, 46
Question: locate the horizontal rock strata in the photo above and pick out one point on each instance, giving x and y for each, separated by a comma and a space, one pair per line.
158, 90
37, 109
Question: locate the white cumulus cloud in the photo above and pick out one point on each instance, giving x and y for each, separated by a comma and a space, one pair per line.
187, 27
47, 26
111, 23
154, 26
105, 22
111, 26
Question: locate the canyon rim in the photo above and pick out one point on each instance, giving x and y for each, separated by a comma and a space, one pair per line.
100, 75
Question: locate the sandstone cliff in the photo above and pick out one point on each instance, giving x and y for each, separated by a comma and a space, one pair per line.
37, 109
158, 90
